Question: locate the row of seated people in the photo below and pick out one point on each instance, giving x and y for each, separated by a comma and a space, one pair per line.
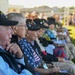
31, 36
24, 55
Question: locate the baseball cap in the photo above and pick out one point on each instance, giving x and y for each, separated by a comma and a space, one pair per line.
35, 25
40, 23
31, 25
28, 21
4, 21
50, 20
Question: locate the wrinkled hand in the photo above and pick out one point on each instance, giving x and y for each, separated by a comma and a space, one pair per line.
14, 49
55, 69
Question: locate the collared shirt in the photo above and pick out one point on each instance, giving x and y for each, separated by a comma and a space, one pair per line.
1, 47
6, 70
50, 33
33, 58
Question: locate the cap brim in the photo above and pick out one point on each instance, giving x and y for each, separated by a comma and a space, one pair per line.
9, 23
34, 28
43, 26
50, 22
6, 22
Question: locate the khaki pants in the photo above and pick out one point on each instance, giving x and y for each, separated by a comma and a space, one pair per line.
72, 49
67, 65
68, 52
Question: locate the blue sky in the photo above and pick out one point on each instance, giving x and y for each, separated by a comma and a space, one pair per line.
50, 3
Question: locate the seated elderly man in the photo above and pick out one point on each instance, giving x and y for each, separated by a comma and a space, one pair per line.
11, 57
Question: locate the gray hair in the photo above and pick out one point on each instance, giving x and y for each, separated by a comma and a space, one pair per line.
16, 17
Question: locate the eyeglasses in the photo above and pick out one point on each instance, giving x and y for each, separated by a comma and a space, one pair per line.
21, 25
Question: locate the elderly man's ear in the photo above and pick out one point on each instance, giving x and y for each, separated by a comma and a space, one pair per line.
14, 29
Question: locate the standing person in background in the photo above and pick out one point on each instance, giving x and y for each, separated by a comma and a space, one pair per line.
74, 19
70, 19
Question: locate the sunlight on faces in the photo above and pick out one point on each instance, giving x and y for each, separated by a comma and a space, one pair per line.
57, 17
31, 35
52, 26
5, 35
20, 29
40, 32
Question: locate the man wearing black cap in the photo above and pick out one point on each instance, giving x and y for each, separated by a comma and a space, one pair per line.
11, 57
31, 36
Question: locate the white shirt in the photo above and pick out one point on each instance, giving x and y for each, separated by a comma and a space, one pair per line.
49, 49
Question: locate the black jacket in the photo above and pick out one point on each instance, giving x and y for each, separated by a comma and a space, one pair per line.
49, 57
